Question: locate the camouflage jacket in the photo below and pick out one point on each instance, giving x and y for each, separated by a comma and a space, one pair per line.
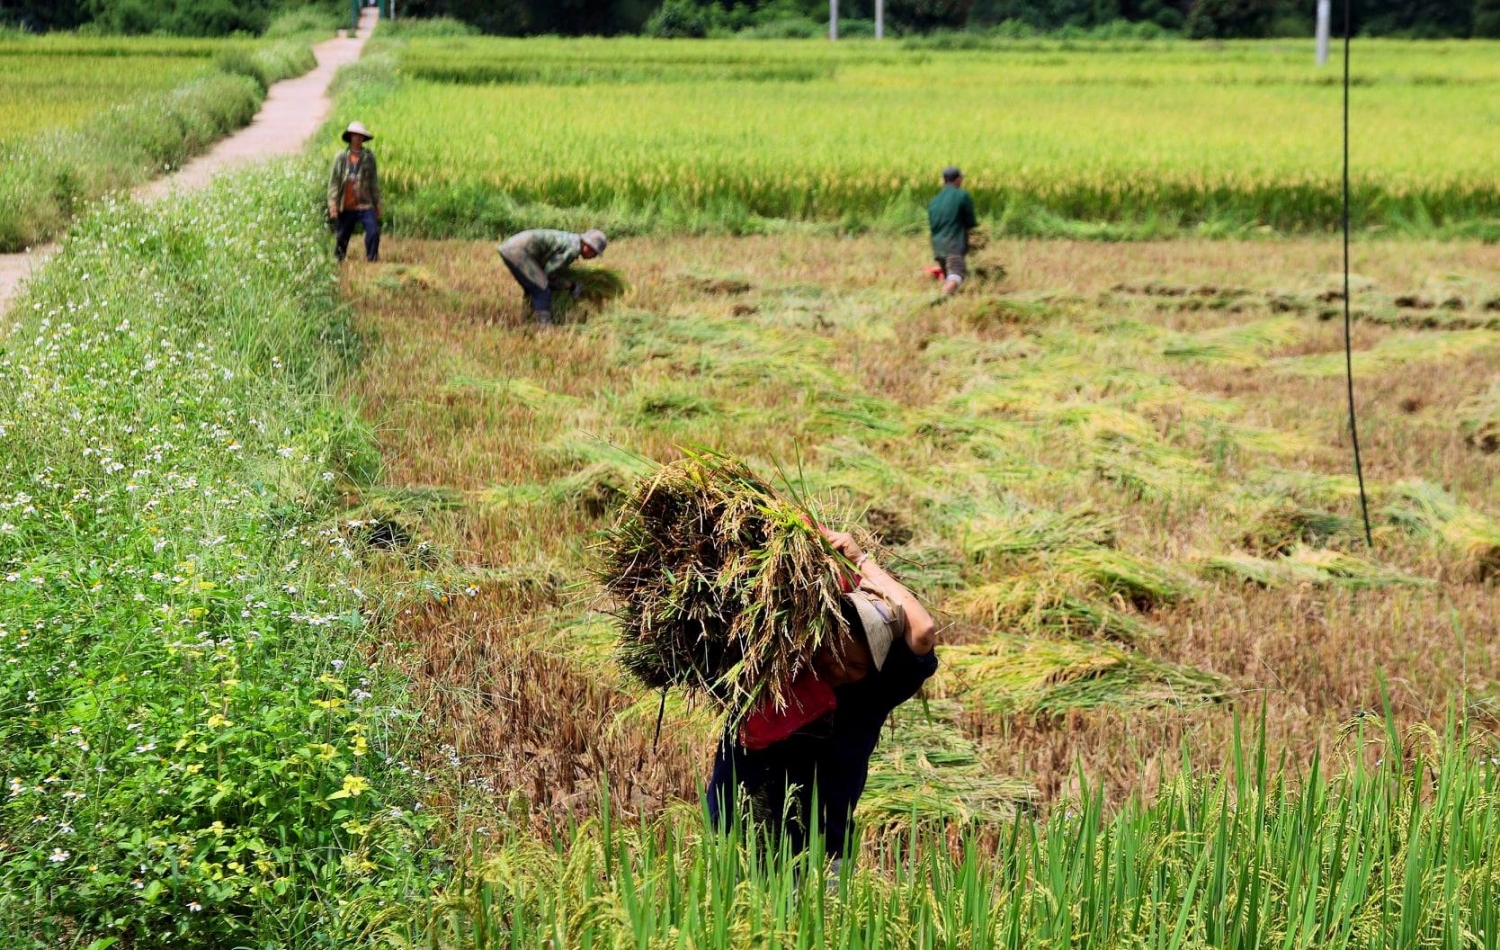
550, 252
366, 181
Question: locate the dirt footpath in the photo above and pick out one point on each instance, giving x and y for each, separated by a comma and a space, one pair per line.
292, 112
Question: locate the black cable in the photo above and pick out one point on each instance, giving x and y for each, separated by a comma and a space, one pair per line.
1359, 471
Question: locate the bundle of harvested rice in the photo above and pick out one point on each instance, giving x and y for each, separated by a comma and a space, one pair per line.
1474, 534
928, 772
591, 286
1009, 674
1040, 606
1313, 567
722, 585
1479, 420
1280, 525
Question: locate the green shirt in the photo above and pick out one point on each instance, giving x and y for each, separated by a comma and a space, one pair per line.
551, 251
951, 215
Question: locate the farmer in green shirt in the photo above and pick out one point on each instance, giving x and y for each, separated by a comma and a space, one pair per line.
538, 260
354, 194
951, 216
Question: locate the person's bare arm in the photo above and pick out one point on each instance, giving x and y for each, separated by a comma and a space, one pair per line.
921, 630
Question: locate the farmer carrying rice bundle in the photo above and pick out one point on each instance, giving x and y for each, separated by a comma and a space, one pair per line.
539, 259
728, 589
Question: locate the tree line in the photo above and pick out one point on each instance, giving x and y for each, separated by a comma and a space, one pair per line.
1200, 19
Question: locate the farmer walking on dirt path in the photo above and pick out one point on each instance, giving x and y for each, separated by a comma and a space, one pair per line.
824, 763
538, 260
354, 194
951, 218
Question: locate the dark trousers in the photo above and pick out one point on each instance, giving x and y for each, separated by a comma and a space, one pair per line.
369, 222
541, 297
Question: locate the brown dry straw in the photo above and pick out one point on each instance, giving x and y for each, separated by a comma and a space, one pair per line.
722, 585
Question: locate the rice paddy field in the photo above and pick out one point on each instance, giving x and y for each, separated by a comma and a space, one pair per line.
303, 637
1120, 473
48, 83
81, 116
1059, 139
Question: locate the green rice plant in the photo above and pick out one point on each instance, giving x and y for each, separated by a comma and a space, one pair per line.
1347, 856
1011, 674
1473, 534
927, 773
1479, 420
1042, 606
1218, 147
722, 585
81, 118
1313, 567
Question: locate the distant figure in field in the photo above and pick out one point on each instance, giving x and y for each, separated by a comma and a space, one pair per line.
354, 193
951, 217
539, 259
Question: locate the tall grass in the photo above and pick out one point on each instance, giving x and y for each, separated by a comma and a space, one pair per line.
1401, 853
195, 752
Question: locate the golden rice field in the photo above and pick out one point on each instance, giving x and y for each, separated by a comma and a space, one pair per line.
1086, 139
52, 83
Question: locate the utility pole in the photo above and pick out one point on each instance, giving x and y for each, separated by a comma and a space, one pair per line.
833, 19
880, 19
1325, 14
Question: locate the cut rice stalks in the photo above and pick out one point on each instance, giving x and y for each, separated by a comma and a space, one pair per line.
1312, 567
928, 773
1479, 420
1037, 606
1280, 525
1424, 506
1010, 674
1394, 352
721, 585
1244, 345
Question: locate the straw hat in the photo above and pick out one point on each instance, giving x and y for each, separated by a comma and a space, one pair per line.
595, 239
882, 623
358, 128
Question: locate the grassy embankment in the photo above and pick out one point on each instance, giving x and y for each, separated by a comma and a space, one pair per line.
80, 117
195, 750
1095, 140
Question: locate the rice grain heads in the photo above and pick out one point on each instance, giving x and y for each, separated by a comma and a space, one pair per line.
721, 585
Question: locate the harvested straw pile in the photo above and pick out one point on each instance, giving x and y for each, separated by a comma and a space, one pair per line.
593, 287
1311, 567
723, 586
1009, 674
1474, 535
928, 772
1480, 420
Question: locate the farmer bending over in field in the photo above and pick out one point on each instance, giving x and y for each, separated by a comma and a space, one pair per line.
951, 217
538, 259
885, 658
354, 194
